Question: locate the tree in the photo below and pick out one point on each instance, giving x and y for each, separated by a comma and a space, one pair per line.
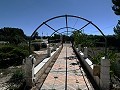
77, 37
116, 6
54, 39
83, 39
12, 35
12, 55
116, 9
117, 29
36, 35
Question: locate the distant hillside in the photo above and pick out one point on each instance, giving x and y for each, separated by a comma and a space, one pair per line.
12, 35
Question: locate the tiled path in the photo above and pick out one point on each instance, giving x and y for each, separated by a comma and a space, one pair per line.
56, 78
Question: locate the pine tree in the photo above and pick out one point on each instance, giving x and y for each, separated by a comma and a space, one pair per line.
116, 6
117, 29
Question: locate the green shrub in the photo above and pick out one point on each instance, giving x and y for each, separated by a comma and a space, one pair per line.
36, 46
111, 55
16, 80
12, 55
17, 77
37, 40
9, 51
97, 58
6, 48
43, 45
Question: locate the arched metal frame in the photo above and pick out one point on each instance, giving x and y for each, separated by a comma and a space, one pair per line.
64, 31
66, 20
63, 28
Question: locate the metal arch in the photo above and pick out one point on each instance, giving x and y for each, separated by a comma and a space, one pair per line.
62, 33
63, 28
65, 31
60, 17
66, 16
89, 22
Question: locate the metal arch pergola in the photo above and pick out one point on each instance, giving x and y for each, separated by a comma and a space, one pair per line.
66, 18
66, 21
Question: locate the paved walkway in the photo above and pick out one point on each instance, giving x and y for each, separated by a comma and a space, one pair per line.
56, 78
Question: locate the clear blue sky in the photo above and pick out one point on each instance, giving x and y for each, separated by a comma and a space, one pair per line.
29, 14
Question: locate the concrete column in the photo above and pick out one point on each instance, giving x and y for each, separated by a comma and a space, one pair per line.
79, 47
33, 66
85, 52
29, 70
61, 38
105, 74
55, 47
49, 51
58, 44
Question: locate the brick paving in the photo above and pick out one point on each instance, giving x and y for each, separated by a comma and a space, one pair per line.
56, 78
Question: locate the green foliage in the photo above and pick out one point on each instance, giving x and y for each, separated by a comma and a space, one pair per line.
117, 29
35, 35
112, 56
116, 9
36, 46
17, 52
55, 38
97, 58
37, 40
9, 51
12, 55
77, 37
17, 77
12, 35
83, 39
116, 6
16, 80
43, 45
5, 51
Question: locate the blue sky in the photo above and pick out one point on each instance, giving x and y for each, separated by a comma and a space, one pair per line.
29, 14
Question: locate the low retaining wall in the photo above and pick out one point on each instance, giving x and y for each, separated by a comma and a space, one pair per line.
33, 74
46, 64
95, 80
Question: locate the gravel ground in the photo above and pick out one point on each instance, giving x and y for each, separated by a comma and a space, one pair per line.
5, 75
3, 82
